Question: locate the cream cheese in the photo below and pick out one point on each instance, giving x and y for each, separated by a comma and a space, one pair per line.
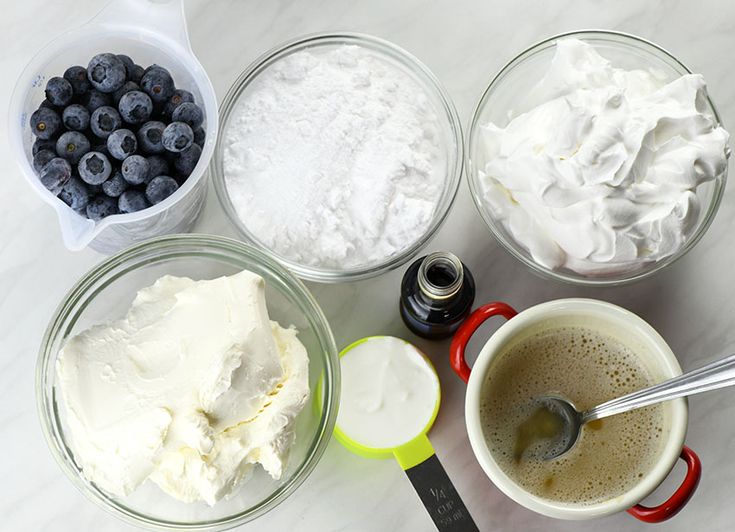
601, 173
190, 389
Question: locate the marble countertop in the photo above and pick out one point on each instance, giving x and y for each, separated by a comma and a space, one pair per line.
464, 43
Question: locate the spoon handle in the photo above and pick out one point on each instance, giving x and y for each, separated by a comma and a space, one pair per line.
710, 377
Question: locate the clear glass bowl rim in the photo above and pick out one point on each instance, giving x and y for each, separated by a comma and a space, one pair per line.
516, 250
177, 246
432, 85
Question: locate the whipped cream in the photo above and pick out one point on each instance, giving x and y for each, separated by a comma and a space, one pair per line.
190, 389
602, 172
389, 392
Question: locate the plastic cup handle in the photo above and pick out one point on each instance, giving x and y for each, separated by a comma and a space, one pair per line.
161, 16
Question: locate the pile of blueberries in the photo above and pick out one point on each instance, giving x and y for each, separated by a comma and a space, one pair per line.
114, 137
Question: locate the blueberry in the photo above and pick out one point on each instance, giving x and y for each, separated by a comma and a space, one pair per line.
104, 121
136, 73
95, 99
45, 123
76, 117
77, 77
106, 72
135, 170
199, 136
75, 194
171, 160
94, 168
55, 174
154, 66
129, 64
44, 144
100, 207
121, 143
158, 84
48, 105
59, 91
101, 148
132, 200
135, 107
189, 113
150, 137
115, 185
179, 96
94, 190
157, 165
41, 158
128, 87
188, 159
72, 145
160, 188
177, 137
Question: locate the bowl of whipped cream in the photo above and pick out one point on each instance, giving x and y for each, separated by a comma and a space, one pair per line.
176, 383
597, 158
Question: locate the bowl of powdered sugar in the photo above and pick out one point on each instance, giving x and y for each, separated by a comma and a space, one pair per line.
339, 154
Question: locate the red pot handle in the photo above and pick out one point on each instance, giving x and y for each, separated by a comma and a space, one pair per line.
468, 328
681, 496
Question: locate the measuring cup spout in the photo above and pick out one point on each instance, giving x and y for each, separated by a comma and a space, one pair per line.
77, 231
163, 17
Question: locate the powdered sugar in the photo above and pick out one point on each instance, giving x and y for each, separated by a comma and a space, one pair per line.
333, 159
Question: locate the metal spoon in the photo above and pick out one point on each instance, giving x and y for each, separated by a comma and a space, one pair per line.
710, 377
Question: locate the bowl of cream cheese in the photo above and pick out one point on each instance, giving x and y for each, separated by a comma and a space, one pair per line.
597, 158
175, 383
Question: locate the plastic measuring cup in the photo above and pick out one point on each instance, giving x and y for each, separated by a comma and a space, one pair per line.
149, 32
415, 453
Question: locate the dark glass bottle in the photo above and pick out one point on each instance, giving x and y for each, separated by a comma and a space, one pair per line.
437, 293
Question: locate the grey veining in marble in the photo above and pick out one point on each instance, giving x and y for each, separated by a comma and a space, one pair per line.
464, 42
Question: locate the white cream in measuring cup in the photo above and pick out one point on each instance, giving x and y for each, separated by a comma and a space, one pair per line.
389, 393
389, 400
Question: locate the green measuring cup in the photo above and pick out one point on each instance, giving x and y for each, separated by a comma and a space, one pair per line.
413, 451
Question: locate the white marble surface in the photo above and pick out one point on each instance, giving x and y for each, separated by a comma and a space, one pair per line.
464, 43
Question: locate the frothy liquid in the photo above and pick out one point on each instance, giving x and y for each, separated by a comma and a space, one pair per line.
588, 368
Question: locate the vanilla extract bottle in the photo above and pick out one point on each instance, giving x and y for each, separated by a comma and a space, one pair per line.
437, 293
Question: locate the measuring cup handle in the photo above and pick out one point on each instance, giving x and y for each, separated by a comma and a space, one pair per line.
164, 17
468, 328
681, 496
434, 487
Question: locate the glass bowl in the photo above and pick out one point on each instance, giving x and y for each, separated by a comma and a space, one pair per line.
449, 124
106, 293
504, 99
